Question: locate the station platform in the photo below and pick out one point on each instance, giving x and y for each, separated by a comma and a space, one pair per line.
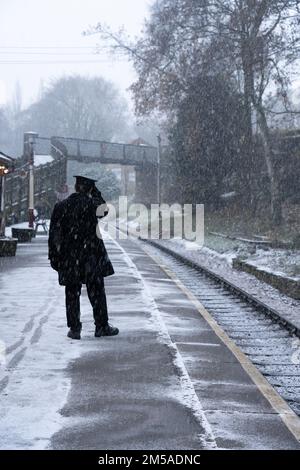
170, 380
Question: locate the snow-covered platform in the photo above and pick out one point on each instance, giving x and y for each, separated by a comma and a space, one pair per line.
168, 381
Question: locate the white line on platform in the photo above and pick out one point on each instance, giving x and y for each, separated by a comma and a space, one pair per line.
191, 399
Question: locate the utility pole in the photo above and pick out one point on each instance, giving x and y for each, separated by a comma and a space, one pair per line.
29, 143
158, 185
2, 203
158, 169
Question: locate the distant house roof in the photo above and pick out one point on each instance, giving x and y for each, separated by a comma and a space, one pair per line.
6, 159
140, 141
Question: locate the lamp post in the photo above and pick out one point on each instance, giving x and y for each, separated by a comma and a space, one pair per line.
29, 143
2, 201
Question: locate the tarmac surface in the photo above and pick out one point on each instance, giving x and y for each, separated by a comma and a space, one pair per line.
167, 382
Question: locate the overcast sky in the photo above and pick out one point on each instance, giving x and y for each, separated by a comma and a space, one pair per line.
51, 30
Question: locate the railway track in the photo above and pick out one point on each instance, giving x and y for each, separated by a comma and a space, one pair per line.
259, 331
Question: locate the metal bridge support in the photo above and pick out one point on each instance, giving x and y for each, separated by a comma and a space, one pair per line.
124, 180
146, 184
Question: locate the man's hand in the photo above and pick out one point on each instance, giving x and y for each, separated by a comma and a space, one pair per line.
102, 211
96, 194
99, 202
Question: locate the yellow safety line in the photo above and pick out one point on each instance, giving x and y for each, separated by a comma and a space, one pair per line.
288, 416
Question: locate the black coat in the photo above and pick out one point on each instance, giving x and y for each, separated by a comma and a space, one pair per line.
75, 250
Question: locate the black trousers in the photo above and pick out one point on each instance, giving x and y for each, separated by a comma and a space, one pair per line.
97, 297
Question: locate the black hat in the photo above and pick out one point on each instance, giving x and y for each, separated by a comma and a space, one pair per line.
84, 179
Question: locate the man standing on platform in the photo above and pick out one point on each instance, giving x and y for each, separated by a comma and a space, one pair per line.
79, 256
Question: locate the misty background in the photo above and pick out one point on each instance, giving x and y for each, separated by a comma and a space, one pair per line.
219, 81
47, 64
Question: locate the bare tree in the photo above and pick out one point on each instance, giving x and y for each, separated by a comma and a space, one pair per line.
17, 102
88, 108
256, 42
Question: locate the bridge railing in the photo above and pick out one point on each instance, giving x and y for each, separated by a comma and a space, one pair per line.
93, 150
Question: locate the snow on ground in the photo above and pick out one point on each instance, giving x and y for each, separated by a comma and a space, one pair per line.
282, 262
32, 379
219, 264
36, 354
20, 225
218, 253
226, 256
36, 357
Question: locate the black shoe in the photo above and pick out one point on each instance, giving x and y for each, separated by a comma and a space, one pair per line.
106, 330
74, 334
